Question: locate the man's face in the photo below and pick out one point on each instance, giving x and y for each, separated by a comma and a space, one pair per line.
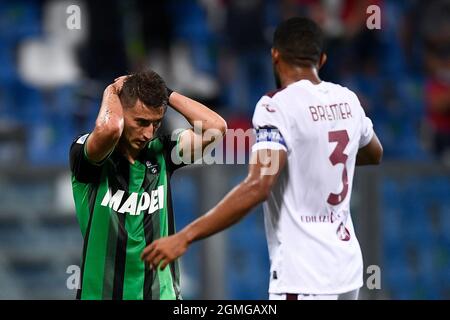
141, 124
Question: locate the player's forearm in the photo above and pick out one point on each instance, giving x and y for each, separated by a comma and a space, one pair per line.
108, 127
196, 113
363, 160
229, 211
110, 116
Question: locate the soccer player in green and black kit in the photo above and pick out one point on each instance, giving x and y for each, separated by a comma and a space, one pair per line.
120, 180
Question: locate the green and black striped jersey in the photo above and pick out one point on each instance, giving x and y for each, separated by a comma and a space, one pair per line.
121, 208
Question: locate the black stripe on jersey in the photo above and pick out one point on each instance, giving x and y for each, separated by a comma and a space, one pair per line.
121, 254
122, 237
108, 273
92, 196
148, 232
171, 228
149, 275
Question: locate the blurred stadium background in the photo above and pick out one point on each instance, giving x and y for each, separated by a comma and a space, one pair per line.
51, 80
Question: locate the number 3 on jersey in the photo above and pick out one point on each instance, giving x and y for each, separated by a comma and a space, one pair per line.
338, 156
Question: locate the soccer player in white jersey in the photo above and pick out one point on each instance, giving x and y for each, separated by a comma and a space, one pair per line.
310, 135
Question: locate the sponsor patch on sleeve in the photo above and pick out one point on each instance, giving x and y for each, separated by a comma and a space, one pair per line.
82, 139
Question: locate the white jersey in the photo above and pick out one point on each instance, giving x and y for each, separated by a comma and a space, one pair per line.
312, 244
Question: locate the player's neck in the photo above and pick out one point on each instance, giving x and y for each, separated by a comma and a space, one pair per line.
293, 74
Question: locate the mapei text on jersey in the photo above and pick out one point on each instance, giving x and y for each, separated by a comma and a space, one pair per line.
134, 204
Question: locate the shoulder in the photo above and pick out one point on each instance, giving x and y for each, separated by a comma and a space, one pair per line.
272, 99
266, 107
77, 146
272, 93
277, 95
285, 94
350, 93
343, 90
82, 169
163, 143
166, 148
157, 144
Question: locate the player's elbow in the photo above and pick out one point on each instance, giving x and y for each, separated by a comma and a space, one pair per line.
377, 156
376, 149
112, 129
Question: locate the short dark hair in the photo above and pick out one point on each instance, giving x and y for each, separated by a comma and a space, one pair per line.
147, 86
300, 41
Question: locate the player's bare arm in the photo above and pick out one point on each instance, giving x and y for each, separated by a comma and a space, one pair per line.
109, 124
236, 204
197, 114
370, 154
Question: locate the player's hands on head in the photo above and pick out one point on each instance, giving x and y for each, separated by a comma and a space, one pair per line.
165, 250
118, 83
116, 86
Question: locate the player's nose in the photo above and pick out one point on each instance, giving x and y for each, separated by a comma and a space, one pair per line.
148, 132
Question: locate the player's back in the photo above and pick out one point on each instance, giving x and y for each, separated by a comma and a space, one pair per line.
310, 234
325, 123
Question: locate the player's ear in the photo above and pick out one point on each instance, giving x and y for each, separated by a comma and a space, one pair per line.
323, 59
275, 55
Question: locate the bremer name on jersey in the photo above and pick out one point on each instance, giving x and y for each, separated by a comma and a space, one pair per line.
312, 244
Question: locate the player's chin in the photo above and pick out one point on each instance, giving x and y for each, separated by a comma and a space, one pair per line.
140, 144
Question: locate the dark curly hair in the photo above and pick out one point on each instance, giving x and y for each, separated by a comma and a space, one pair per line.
300, 41
148, 87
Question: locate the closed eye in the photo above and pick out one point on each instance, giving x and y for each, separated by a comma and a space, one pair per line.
146, 123
143, 123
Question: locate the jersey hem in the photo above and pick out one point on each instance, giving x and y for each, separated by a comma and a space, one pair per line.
368, 140
271, 145
293, 290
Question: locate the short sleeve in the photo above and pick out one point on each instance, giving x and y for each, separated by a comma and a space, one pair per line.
366, 132
171, 151
271, 127
366, 126
83, 170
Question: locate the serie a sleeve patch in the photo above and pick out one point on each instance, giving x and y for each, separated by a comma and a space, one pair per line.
82, 139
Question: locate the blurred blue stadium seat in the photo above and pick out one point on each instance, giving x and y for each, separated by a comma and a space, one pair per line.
185, 207
19, 19
412, 258
249, 273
